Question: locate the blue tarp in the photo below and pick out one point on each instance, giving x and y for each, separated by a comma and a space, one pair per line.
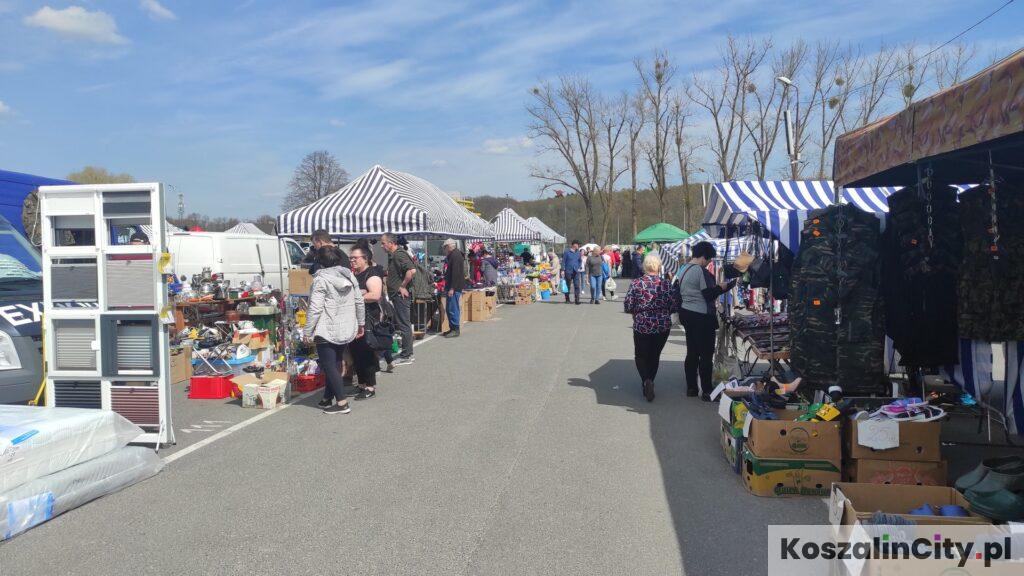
14, 187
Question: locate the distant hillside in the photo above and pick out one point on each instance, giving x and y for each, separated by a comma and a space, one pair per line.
619, 226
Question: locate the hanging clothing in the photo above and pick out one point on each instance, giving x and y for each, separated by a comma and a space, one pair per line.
919, 277
992, 270
836, 309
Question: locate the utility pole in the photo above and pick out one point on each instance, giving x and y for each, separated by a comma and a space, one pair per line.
181, 206
792, 137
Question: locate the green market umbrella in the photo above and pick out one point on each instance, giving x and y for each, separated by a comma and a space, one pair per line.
660, 232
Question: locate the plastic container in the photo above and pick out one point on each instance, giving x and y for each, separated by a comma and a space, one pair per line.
307, 383
545, 295
211, 387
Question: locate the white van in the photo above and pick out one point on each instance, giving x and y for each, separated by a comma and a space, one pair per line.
237, 256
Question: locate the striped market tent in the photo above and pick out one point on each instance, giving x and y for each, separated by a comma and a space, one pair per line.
546, 232
168, 229
510, 227
380, 201
672, 254
246, 228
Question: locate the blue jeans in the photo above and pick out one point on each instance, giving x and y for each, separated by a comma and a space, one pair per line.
451, 306
595, 287
573, 281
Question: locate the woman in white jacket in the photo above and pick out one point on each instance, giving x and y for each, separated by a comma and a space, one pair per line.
335, 318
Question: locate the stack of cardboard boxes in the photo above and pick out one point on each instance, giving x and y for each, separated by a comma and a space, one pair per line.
891, 452
524, 294
481, 305
781, 457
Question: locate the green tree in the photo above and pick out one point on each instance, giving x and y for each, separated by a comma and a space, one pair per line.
99, 175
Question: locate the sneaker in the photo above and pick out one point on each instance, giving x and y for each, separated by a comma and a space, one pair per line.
403, 361
364, 394
452, 334
389, 368
338, 409
325, 402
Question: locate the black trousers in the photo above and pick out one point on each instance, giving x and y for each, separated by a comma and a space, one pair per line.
574, 280
647, 353
329, 355
700, 348
365, 361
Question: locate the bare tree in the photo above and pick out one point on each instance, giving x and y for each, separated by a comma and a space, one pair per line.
685, 151
656, 88
838, 67
565, 120
99, 175
911, 72
874, 82
614, 116
769, 101
725, 99
950, 65
317, 176
635, 123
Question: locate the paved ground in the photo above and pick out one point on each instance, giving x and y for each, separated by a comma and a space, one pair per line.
524, 447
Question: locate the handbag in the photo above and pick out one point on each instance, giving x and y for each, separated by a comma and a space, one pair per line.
609, 284
380, 331
563, 287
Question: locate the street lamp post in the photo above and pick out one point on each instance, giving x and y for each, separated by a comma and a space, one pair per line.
790, 131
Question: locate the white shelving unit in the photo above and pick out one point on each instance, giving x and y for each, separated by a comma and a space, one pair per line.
104, 298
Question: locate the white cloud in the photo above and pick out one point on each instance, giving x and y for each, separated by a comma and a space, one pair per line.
507, 145
336, 122
79, 23
157, 11
4, 109
439, 164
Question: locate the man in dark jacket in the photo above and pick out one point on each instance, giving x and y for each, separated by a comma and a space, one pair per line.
572, 270
454, 283
319, 239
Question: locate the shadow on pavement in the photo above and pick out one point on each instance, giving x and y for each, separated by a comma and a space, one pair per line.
721, 529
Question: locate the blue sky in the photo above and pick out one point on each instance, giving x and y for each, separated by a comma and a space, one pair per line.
221, 99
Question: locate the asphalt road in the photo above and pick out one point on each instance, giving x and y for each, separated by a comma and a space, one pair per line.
523, 447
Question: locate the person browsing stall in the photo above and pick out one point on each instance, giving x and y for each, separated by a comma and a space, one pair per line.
698, 315
454, 284
370, 279
651, 300
335, 318
321, 238
572, 260
401, 270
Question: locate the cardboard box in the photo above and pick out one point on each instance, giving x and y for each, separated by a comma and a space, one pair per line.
181, 365
918, 442
732, 446
443, 309
255, 341
299, 281
269, 376
787, 439
866, 471
851, 503
783, 477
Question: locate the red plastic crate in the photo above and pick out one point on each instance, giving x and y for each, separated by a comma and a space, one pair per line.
305, 383
211, 387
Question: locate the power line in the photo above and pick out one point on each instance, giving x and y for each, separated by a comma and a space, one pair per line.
928, 54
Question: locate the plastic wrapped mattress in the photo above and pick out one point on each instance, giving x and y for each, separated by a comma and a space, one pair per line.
37, 501
35, 442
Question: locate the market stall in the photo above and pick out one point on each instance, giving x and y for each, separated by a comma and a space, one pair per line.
548, 234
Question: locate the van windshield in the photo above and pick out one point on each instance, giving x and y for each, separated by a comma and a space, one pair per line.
19, 260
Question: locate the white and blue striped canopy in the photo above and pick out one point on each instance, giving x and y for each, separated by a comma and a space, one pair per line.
782, 206
381, 201
547, 234
508, 226
672, 254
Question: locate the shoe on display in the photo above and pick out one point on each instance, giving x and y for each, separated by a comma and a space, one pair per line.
1001, 506
338, 409
994, 474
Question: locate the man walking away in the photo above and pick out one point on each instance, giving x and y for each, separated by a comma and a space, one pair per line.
572, 261
321, 238
454, 284
401, 271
